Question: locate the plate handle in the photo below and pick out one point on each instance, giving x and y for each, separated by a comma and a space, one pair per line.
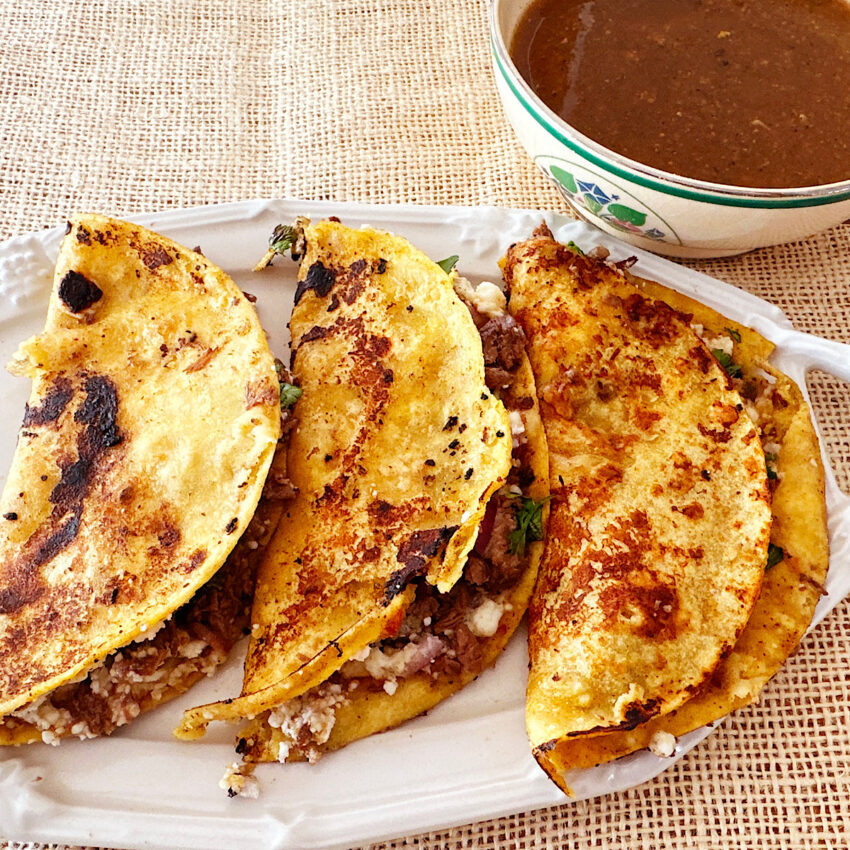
824, 354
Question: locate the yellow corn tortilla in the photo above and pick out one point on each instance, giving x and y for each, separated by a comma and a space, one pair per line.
151, 425
790, 589
660, 515
399, 448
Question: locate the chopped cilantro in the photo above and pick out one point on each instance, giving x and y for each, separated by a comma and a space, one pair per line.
285, 237
774, 555
289, 394
575, 248
449, 263
282, 238
529, 525
768, 460
733, 370
733, 333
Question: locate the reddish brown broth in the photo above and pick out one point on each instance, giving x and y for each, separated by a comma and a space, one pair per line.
744, 92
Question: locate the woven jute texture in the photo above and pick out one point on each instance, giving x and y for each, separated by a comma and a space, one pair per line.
130, 106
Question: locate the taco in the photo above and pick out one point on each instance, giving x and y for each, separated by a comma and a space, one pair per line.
407, 558
152, 423
661, 516
798, 552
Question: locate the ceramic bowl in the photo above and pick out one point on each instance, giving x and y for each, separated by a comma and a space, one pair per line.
650, 208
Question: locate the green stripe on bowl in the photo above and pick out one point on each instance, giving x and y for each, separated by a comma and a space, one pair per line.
657, 185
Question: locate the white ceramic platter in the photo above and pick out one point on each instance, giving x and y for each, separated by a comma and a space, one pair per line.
465, 761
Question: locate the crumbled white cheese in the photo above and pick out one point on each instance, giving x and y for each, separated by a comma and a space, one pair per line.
483, 621
390, 665
463, 288
723, 342
634, 693
49, 738
517, 431
193, 649
363, 654
147, 632
760, 373
121, 687
489, 300
314, 711
517, 425
238, 783
390, 686
752, 412
662, 744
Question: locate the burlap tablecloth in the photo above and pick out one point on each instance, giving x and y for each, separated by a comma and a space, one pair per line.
129, 106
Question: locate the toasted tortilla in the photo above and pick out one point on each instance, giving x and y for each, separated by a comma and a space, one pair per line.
792, 587
354, 704
400, 448
660, 517
146, 441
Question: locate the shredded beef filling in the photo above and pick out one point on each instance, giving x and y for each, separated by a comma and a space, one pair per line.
503, 342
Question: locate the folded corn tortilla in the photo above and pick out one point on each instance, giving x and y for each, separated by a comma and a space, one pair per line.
444, 640
400, 446
660, 518
799, 555
152, 423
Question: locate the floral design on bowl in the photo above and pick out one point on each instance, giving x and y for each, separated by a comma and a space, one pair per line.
589, 197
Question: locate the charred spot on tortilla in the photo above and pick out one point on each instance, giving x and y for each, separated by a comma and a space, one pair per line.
316, 332
77, 292
154, 256
52, 405
169, 537
319, 278
414, 554
98, 413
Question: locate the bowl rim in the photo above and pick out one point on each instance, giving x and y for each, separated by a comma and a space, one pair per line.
645, 175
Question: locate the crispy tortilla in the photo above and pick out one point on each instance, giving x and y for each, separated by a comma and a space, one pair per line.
152, 423
660, 516
401, 448
792, 587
